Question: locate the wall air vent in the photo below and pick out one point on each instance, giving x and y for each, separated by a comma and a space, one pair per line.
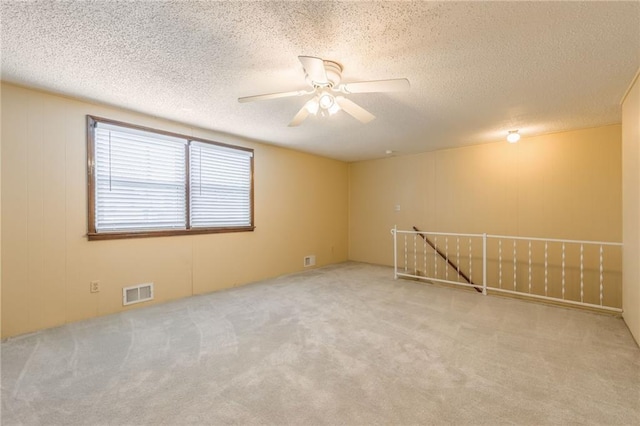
309, 260
137, 294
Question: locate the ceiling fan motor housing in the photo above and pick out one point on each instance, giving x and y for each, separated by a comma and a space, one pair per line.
333, 71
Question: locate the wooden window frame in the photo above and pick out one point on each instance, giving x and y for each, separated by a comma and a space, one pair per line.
92, 234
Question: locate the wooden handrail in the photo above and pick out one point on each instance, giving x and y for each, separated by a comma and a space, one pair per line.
445, 257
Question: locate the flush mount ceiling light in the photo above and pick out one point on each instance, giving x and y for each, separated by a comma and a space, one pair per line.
324, 77
513, 136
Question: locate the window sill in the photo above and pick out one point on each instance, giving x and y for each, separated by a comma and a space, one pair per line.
96, 236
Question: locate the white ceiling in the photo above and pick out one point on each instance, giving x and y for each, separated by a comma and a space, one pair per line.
477, 69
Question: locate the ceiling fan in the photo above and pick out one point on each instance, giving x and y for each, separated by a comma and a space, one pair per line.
324, 78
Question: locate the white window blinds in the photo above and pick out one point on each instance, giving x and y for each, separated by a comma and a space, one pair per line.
220, 186
144, 183
139, 180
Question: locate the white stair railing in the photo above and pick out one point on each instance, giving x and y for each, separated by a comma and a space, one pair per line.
572, 272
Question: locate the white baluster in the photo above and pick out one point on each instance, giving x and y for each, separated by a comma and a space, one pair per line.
415, 255
563, 257
458, 257
529, 266
500, 263
424, 253
582, 273
435, 257
405, 254
515, 265
601, 274
446, 254
470, 263
546, 268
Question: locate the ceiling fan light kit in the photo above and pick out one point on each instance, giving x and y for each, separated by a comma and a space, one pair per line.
325, 78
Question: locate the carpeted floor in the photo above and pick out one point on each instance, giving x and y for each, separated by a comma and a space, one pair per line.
345, 344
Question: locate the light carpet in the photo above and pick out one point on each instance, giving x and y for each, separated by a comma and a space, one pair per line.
344, 344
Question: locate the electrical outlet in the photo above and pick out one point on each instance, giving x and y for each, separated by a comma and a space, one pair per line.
94, 286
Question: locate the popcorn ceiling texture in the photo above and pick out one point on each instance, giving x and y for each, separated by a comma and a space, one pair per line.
477, 69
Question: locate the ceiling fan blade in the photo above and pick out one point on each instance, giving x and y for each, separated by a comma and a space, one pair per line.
314, 67
394, 85
354, 109
300, 116
274, 96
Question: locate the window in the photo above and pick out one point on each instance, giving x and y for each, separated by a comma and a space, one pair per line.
146, 183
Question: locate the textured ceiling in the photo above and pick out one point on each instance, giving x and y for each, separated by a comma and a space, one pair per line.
477, 69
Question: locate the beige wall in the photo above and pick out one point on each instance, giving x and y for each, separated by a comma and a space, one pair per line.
0, 212
631, 208
301, 204
564, 185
